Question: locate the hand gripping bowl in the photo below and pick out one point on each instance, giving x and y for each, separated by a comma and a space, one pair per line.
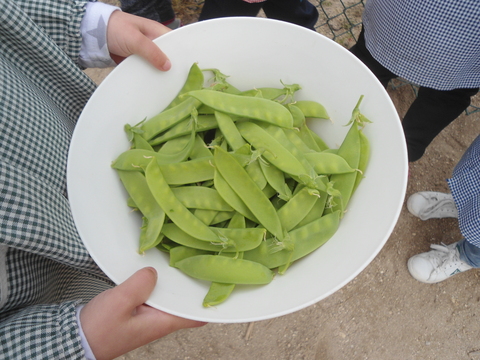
255, 52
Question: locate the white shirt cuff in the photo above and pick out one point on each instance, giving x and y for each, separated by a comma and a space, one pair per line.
86, 347
94, 52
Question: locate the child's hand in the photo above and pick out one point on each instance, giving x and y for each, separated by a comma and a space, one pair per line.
129, 34
117, 320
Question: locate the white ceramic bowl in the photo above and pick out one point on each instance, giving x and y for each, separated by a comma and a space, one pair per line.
255, 52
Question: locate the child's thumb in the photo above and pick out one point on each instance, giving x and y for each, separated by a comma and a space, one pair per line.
137, 288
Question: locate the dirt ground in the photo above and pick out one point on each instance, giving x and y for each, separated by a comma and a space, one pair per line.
383, 313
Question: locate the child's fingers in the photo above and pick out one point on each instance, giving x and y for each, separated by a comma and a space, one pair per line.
147, 49
134, 291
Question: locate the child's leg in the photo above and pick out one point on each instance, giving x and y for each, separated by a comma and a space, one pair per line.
360, 51
159, 10
223, 8
469, 253
429, 114
299, 12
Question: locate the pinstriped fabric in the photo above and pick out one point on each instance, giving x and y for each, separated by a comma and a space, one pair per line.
432, 43
465, 187
45, 271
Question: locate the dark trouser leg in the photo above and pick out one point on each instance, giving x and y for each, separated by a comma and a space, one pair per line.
165, 10
158, 10
429, 114
360, 51
224, 8
299, 12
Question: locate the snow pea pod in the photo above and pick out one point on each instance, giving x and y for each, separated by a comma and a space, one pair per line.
279, 134
312, 109
296, 208
306, 134
328, 163
189, 172
203, 123
130, 201
254, 170
276, 179
245, 106
239, 180
344, 183
350, 151
201, 197
205, 216
194, 81
217, 294
200, 149
135, 159
179, 148
297, 115
153, 215
309, 178
140, 143
138, 159
237, 221
205, 110
173, 208
168, 118
317, 139
229, 130
316, 212
178, 253
227, 270
241, 239
237, 143
307, 239
231, 197
220, 82
269, 93
294, 136
269, 191
364, 157
272, 149
174, 145
222, 216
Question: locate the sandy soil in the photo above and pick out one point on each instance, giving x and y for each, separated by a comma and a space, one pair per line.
383, 313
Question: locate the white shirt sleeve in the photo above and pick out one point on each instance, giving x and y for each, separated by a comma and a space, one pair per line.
86, 347
94, 52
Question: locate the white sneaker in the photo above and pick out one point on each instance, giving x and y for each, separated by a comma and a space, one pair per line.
438, 264
432, 205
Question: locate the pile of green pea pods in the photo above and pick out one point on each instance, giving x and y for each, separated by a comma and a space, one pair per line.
233, 185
